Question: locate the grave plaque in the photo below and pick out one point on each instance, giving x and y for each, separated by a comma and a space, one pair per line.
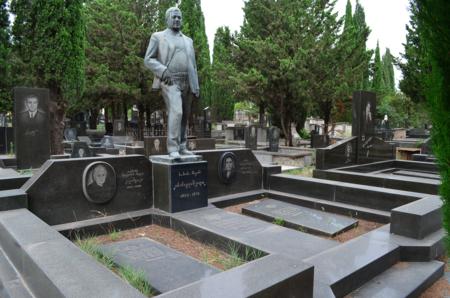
274, 139
155, 145
70, 134
251, 137
32, 136
80, 150
107, 142
179, 186
166, 269
119, 127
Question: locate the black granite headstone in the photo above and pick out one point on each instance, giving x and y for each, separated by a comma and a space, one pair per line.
363, 120
274, 139
201, 144
119, 127
251, 137
61, 192
32, 136
228, 165
70, 134
155, 145
107, 142
80, 150
179, 186
319, 141
6, 140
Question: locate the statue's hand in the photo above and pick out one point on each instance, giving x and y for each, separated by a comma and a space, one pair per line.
196, 94
167, 77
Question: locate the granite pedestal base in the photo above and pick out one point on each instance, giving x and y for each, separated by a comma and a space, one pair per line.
179, 185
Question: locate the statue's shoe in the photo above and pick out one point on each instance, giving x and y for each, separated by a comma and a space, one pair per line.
186, 152
175, 155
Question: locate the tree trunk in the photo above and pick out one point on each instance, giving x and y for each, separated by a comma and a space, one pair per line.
93, 119
141, 123
57, 115
262, 120
106, 114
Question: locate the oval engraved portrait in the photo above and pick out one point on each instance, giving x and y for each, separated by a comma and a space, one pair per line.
228, 165
99, 182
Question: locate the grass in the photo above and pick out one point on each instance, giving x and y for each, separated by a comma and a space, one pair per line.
114, 235
279, 221
239, 256
25, 171
134, 277
305, 171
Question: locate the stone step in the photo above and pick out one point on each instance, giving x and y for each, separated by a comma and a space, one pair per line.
348, 266
301, 218
166, 269
404, 279
11, 285
333, 206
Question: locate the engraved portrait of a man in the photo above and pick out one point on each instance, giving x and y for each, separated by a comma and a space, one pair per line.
99, 182
156, 145
31, 113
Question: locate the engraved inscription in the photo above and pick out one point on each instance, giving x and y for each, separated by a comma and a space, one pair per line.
133, 178
142, 252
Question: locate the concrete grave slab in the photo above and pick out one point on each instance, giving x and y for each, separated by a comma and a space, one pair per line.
165, 269
301, 218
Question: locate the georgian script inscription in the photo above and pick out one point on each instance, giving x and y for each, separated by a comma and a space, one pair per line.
233, 223
189, 183
247, 168
142, 252
133, 178
286, 211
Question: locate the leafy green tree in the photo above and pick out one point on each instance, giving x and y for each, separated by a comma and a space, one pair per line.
434, 30
49, 39
363, 31
222, 86
5, 55
414, 65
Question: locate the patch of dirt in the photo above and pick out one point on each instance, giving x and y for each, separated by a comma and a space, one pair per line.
441, 288
238, 208
363, 226
202, 252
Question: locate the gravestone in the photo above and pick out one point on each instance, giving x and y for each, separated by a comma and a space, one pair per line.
232, 171
301, 218
274, 139
251, 137
201, 144
6, 140
319, 141
165, 269
69, 190
79, 123
85, 139
31, 123
81, 150
155, 145
70, 134
107, 142
179, 185
363, 120
119, 128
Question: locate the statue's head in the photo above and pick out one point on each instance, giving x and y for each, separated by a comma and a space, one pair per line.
174, 18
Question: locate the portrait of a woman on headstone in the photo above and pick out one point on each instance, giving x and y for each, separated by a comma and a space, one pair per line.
227, 167
99, 182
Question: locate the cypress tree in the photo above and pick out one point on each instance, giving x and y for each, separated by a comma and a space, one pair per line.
378, 84
362, 31
388, 71
5, 55
434, 24
194, 27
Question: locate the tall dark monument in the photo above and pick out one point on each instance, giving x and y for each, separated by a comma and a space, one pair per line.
31, 123
363, 120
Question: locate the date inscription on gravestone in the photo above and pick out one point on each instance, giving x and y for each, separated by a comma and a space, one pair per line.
133, 178
188, 182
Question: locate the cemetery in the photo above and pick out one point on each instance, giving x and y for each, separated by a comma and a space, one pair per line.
145, 191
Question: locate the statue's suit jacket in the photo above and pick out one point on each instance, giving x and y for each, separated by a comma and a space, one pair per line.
160, 53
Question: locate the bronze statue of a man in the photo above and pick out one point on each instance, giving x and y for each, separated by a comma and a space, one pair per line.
170, 56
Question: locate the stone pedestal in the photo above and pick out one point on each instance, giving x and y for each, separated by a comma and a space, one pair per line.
179, 185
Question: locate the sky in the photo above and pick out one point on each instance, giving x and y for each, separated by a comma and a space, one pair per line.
386, 19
